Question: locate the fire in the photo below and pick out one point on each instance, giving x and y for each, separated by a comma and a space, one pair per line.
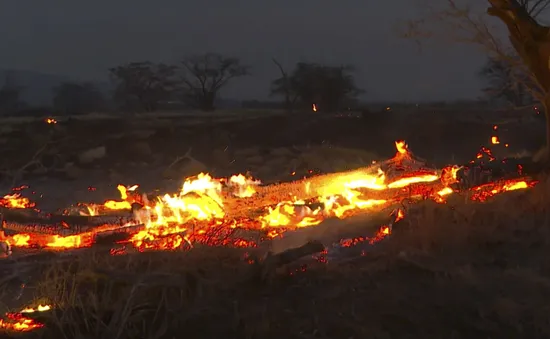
16, 201
125, 203
314, 108
39, 308
51, 121
382, 233
484, 192
204, 209
402, 147
245, 186
400, 215
72, 241
288, 213
205, 206
494, 140
19, 240
19, 322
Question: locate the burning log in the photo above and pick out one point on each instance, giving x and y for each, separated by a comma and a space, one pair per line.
322, 185
30, 221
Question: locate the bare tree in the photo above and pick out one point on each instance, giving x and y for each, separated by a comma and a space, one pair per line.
505, 84
143, 85
204, 75
527, 38
283, 86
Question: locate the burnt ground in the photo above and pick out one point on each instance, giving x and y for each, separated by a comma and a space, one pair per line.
143, 150
461, 271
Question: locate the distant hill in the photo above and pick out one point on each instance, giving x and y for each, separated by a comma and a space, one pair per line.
37, 87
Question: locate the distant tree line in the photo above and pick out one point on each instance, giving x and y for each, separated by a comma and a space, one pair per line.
195, 82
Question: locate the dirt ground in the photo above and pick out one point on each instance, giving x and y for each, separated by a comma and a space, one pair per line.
460, 270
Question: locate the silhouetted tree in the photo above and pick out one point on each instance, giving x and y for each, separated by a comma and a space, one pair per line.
506, 82
330, 88
77, 98
527, 37
10, 95
204, 75
283, 86
144, 85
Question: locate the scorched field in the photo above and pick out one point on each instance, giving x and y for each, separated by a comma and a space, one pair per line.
372, 247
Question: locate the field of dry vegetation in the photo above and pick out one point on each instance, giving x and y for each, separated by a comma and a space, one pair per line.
453, 270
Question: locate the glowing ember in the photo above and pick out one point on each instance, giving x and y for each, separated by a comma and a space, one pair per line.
205, 208
382, 233
484, 192
18, 322
16, 201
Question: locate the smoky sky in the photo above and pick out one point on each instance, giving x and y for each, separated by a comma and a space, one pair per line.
82, 39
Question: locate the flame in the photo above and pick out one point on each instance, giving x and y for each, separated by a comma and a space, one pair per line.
494, 140
399, 216
51, 121
19, 240
486, 191
245, 186
402, 148
200, 212
125, 202
39, 308
16, 201
18, 322
314, 108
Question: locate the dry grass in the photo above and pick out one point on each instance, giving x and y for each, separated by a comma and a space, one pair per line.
472, 271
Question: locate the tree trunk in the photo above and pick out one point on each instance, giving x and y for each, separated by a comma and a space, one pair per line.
532, 43
207, 101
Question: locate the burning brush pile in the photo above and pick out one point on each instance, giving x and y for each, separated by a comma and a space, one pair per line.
241, 212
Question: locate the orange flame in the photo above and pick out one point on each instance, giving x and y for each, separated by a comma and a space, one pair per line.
16, 201
200, 208
18, 322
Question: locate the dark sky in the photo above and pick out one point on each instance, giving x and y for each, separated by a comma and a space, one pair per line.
83, 38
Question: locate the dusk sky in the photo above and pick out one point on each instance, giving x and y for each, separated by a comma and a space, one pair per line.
82, 39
